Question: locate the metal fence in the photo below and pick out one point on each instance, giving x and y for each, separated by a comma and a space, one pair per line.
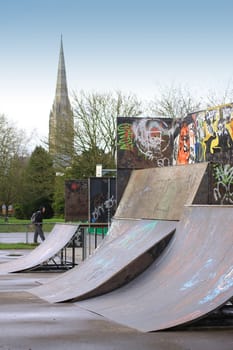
90, 236
86, 240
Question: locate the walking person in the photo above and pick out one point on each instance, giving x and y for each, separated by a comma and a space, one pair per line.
38, 222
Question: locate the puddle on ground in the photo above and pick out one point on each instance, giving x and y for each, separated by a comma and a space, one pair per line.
14, 254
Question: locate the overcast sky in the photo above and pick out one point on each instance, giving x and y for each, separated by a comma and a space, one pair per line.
129, 45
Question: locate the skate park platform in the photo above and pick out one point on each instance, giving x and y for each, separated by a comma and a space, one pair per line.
95, 324
197, 232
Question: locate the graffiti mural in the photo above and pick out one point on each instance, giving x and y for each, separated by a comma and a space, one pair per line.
184, 147
205, 136
144, 142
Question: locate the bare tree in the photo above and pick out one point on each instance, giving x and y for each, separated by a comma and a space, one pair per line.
174, 102
221, 97
95, 118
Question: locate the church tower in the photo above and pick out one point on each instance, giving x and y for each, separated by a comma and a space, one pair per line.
61, 122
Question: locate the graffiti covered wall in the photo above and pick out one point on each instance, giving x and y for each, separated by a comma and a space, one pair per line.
102, 199
144, 142
205, 136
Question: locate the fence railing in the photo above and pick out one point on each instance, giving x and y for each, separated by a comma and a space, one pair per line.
90, 236
86, 240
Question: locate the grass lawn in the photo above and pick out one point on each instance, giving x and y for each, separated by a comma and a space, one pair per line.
16, 225
7, 246
13, 220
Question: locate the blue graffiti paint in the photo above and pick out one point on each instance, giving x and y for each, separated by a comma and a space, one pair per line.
195, 279
137, 235
225, 282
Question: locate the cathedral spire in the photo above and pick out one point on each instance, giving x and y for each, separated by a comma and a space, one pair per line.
61, 87
61, 122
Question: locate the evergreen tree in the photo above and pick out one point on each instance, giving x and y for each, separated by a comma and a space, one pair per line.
39, 182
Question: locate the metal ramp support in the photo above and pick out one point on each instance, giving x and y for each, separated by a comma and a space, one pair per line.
66, 258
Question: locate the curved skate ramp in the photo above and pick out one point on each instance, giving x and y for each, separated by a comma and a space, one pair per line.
60, 235
135, 247
161, 193
193, 276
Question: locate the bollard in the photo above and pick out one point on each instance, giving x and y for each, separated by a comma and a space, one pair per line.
27, 241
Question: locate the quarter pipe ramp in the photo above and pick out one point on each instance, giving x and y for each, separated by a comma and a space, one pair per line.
120, 259
193, 276
56, 240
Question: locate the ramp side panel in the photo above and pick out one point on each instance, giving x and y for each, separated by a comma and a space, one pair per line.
55, 241
161, 193
193, 277
103, 269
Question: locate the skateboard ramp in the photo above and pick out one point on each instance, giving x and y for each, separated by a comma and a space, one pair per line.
192, 277
136, 246
161, 193
56, 240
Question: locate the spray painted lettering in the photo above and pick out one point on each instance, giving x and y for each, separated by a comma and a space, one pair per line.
102, 209
125, 137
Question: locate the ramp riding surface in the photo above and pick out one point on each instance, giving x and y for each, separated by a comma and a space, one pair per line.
115, 263
161, 193
193, 276
60, 235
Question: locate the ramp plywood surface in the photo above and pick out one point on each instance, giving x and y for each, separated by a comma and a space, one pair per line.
193, 277
117, 261
161, 193
60, 235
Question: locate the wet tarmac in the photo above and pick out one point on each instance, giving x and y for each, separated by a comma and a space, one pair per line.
29, 323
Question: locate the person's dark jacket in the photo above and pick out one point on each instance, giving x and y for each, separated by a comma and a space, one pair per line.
39, 218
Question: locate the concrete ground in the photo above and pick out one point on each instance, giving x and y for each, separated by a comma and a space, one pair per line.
29, 323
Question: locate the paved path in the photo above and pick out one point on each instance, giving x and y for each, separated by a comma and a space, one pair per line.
17, 237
